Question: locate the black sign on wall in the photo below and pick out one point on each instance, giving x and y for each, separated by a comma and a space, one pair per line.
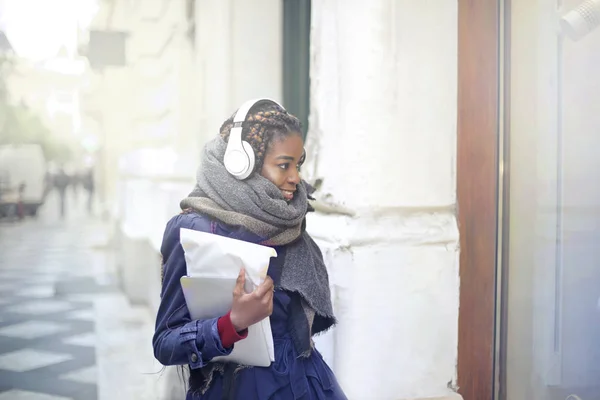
106, 49
5, 46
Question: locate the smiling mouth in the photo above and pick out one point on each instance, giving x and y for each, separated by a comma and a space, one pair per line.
287, 194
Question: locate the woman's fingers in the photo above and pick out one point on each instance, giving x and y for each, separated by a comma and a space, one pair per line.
265, 287
239, 283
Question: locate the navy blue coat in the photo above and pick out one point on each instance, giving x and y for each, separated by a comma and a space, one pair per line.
178, 340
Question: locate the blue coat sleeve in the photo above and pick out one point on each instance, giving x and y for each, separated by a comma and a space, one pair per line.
178, 340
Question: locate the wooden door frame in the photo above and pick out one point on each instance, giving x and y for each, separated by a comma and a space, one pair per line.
478, 153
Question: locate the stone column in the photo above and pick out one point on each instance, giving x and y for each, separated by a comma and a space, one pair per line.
383, 142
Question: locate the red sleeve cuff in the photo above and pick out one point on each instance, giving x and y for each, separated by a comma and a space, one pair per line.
227, 332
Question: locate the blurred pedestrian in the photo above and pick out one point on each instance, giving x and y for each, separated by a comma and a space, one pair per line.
20, 205
61, 182
75, 181
87, 180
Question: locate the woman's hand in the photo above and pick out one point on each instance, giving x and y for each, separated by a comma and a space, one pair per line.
250, 308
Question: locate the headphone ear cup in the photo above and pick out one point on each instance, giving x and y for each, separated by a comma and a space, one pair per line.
240, 162
239, 159
251, 157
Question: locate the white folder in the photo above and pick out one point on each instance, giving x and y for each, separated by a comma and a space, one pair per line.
211, 298
213, 264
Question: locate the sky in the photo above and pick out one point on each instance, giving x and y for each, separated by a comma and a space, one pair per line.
37, 29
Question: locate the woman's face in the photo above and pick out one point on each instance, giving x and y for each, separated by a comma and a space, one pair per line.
282, 164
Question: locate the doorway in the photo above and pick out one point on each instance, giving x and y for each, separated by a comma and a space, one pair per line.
551, 256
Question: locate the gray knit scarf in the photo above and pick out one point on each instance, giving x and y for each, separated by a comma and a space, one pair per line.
258, 206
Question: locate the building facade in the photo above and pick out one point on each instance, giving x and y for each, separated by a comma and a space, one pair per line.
409, 108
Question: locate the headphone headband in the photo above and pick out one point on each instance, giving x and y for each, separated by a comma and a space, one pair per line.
242, 112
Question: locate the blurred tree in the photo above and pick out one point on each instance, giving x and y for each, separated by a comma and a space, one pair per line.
20, 125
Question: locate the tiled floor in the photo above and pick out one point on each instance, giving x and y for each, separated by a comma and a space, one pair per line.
85, 339
47, 340
26, 395
32, 329
29, 359
84, 375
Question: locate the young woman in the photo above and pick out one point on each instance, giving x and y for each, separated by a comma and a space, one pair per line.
259, 198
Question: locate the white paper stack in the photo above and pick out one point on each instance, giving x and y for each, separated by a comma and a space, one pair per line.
213, 265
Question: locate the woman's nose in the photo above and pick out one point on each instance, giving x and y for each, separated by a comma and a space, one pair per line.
294, 177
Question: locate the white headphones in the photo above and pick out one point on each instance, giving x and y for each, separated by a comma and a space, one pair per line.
239, 157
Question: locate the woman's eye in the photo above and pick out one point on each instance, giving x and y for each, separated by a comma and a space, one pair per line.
284, 166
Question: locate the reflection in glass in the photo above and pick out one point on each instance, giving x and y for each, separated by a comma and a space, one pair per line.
553, 324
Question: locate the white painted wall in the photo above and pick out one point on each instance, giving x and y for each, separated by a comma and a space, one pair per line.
245, 62
383, 139
156, 105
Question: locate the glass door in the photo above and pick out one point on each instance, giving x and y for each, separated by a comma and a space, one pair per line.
551, 327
